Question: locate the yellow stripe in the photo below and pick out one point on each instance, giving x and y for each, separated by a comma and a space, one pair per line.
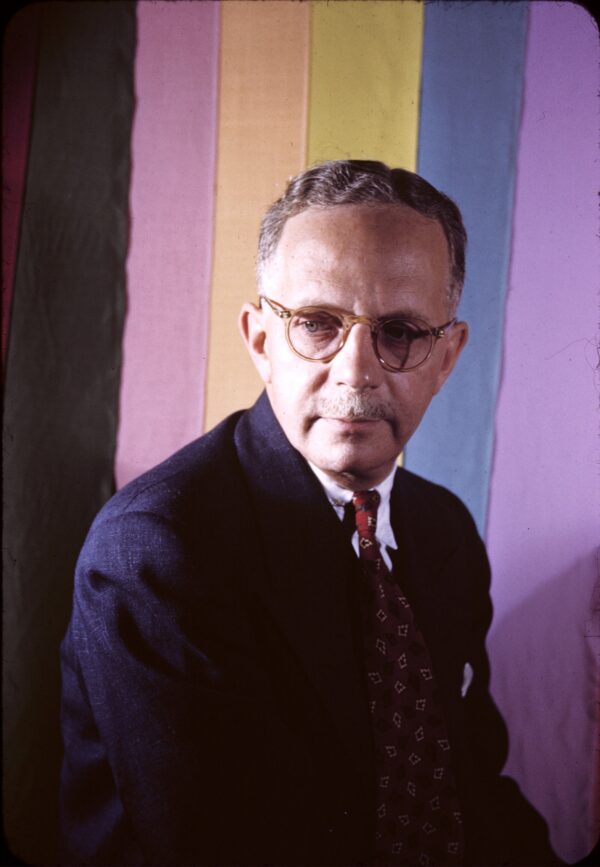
365, 71
262, 142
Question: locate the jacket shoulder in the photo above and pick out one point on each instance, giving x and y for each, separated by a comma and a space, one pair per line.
166, 528
198, 470
434, 503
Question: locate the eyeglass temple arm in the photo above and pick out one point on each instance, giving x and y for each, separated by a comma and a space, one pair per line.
440, 331
277, 308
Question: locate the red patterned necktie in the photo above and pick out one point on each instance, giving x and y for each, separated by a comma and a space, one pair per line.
418, 819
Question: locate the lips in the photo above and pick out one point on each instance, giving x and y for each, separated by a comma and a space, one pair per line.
352, 422
356, 419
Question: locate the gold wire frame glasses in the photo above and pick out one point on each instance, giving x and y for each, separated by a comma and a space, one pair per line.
319, 333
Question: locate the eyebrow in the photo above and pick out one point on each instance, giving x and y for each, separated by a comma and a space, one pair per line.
393, 314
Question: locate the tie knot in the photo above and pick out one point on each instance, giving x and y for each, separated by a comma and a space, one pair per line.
366, 501
365, 507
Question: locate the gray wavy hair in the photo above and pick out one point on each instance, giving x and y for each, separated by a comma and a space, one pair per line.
345, 182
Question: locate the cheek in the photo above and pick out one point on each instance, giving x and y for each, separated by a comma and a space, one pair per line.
411, 398
294, 384
293, 377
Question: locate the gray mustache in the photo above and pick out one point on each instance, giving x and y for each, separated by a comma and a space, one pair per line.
354, 406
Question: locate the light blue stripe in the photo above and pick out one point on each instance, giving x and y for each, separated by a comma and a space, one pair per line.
473, 59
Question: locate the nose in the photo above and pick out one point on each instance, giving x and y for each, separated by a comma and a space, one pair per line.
356, 364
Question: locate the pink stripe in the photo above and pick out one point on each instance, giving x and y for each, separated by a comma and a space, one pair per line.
169, 265
543, 519
18, 79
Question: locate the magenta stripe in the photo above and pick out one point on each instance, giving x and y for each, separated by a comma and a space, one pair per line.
173, 151
543, 519
19, 62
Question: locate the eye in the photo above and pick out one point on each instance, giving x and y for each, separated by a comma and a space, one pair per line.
315, 333
312, 325
401, 331
316, 322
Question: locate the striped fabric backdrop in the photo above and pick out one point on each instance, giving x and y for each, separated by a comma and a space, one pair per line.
142, 144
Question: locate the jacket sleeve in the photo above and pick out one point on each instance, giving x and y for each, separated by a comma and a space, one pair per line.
504, 828
448, 575
169, 742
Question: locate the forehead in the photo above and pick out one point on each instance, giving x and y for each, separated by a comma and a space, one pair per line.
371, 248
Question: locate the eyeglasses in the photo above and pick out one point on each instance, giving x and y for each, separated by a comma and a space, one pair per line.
318, 334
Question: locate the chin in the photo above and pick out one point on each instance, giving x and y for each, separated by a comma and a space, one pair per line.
352, 467
360, 449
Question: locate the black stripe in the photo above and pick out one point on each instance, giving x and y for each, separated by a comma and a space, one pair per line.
63, 373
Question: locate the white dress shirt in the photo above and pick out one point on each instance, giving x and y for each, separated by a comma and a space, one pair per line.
339, 497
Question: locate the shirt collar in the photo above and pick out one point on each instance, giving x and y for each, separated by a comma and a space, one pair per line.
339, 497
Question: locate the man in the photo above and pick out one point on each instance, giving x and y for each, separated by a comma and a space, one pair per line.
276, 654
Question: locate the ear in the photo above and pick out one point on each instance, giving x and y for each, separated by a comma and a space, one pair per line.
453, 342
251, 325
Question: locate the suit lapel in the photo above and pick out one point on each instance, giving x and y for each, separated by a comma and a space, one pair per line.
307, 584
425, 566
423, 548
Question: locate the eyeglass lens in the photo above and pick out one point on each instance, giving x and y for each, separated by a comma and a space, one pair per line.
401, 343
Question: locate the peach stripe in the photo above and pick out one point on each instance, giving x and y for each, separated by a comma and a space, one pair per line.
262, 133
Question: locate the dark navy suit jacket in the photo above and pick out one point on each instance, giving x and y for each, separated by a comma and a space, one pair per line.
214, 703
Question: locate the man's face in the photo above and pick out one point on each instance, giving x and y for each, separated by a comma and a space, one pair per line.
350, 416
